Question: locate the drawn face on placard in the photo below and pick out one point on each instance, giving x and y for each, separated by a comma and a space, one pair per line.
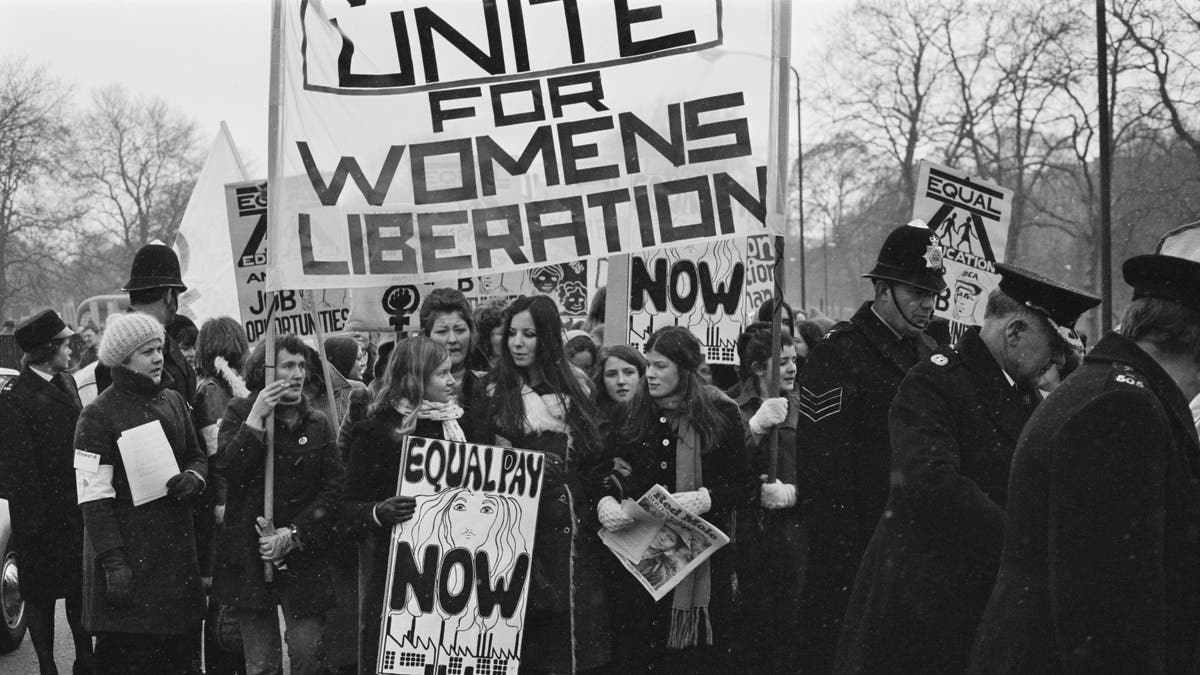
473, 516
966, 297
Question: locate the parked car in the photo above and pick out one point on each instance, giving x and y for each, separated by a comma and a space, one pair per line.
11, 606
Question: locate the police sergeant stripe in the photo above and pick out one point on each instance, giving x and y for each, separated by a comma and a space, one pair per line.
817, 407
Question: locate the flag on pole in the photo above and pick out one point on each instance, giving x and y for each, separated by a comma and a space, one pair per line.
202, 242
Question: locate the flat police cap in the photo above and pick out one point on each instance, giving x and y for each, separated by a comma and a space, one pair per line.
1164, 276
154, 266
1059, 303
911, 255
40, 329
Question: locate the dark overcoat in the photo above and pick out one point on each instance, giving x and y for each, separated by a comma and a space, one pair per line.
932, 560
843, 458
641, 627
371, 477
566, 618
158, 538
37, 419
1099, 573
771, 555
308, 483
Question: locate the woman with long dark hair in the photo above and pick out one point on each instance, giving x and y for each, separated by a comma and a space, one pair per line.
686, 436
535, 399
416, 397
772, 549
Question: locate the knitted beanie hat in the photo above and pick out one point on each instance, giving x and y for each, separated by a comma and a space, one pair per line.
124, 333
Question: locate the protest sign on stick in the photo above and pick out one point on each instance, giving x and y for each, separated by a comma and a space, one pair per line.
418, 143
246, 203
458, 572
969, 218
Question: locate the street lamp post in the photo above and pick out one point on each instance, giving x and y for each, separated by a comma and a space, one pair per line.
800, 190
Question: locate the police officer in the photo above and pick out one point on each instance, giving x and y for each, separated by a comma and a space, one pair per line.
842, 439
38, 411
954, 423
1102, 546
154, 286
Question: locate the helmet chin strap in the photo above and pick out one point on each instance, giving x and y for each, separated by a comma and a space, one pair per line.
903, 315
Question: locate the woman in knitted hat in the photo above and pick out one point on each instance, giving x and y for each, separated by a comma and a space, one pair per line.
141, 579
535, 399
686, 436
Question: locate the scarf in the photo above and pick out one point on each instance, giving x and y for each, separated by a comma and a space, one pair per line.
236, 384
446, 413
689, 600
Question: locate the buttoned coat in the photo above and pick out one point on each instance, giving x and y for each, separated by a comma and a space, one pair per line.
843, 460
1102, 548
158, 538
308, 484
932, 560
37, 418
566, 619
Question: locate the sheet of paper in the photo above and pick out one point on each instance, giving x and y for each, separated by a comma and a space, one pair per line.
149, 461
631, 543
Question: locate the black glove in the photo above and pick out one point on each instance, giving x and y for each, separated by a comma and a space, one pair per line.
395, 510
183, 485
118, 578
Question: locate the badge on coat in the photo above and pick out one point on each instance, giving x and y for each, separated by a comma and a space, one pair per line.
939, 359
303, 440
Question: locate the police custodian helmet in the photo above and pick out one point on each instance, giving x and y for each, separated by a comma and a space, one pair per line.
154, 266
911, 255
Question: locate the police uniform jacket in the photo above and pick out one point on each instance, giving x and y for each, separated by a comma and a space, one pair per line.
931, 562
308, 484
37, 418
1101, 555
157, 538
843, 457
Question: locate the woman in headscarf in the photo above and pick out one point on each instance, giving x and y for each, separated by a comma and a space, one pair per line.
688, 437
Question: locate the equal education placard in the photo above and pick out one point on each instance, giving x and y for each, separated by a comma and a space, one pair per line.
423, 141
969, 217
247, 207
458, 572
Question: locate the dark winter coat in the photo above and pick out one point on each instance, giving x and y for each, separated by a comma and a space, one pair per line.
641, 626
772, 554
308, 483
158, 538
566, 619
1102, 551
37, 419
372, 477
844, 460
931, 563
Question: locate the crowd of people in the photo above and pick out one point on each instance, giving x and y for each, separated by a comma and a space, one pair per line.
1011, 502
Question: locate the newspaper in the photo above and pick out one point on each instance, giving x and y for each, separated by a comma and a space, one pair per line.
665, 543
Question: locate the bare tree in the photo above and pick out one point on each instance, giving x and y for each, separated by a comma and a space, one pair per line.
137, 161
33, 132
888, 81
1167, 33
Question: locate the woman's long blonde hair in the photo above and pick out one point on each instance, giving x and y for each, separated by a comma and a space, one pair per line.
409, 367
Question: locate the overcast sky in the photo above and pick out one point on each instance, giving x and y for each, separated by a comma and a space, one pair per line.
208, 59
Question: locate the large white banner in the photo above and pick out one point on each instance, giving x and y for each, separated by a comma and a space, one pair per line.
458, 572
969, 217
421, 141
